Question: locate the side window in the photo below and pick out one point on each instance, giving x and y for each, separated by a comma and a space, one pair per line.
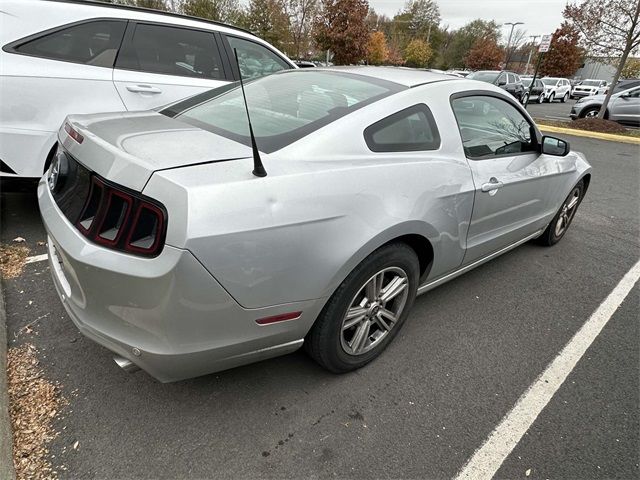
171, 51
92, 43
410, 130
255, 60
492, 127
634, 93
511, 78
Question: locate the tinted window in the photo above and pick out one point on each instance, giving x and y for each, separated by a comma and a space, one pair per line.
171, 51
489, 77
409, 130
490, 126
511, 78
256, 60
92, 43
284, 107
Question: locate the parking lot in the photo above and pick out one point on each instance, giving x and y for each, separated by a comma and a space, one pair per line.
467, 353
556, 111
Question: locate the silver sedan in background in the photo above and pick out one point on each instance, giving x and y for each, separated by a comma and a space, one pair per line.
624, 107
381, 184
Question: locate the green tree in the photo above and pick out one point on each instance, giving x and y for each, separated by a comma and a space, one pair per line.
341, 28
377, 50
418, 53
153, 4
268, 20
218, 10
462, 40
565, 55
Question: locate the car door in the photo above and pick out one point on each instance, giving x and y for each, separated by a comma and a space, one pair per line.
516, 186
159, 64
626, 107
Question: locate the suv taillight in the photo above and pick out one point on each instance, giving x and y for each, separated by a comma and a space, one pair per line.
122, 220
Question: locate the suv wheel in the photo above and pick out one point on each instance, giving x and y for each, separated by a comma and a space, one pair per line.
564, 98
525, 98
551, 97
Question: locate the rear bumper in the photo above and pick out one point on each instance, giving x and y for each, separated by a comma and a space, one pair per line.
167, 315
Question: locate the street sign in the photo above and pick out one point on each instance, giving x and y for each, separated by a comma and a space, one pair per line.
545, 44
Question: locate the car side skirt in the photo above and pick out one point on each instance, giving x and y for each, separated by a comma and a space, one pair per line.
464, 269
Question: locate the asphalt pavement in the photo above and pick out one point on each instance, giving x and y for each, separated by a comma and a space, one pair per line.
464, 357
556, 111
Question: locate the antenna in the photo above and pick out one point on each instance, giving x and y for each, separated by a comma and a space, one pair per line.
258, 168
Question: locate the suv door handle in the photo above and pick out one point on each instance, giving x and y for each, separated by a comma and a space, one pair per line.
143, 89
492, 186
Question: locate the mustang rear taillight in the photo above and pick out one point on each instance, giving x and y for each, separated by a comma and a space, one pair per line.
122, 220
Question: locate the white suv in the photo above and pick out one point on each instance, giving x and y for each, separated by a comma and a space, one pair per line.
556, 89
61, 57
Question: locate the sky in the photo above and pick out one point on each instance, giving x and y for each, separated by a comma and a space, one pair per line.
540, 16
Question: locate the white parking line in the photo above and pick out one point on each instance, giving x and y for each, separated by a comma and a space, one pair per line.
37, 258
486, 461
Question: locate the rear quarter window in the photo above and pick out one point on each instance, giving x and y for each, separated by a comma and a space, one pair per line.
410, 130
91, 43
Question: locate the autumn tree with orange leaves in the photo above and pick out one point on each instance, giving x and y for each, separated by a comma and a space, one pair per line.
377, 49
341, 28
485, 54
565, 55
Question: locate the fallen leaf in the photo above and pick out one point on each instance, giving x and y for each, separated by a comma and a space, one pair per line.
19, 240
528, 472
75, 445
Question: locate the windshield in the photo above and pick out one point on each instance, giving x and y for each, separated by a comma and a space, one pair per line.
489, 77
591, 83
284, 107
550, 81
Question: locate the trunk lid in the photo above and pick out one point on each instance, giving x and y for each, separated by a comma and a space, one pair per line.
127, 148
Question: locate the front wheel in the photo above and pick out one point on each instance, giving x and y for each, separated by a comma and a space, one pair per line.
564, 98
540, 98
560, 223
366, 311
551, 98
525, 98
590, 112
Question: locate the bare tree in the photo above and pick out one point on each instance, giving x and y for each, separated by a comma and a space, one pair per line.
302, 14
610, 28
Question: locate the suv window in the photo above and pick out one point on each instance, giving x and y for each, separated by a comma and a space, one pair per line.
256, 60
511, 78
92, 43
410, 130
171, 51
491, 127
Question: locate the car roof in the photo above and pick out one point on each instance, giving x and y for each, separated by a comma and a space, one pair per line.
103, 4
408, 77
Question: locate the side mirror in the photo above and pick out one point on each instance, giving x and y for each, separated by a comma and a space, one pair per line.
555, 146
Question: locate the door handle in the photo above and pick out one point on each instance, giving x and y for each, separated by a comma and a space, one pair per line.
492, 186
143, 89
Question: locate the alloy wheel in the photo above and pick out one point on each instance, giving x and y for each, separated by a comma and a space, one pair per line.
374, 310
591, 113
567, 212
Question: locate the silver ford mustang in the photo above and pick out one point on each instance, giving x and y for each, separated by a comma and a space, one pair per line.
381, 184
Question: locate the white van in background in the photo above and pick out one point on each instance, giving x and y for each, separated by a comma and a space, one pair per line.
65, 56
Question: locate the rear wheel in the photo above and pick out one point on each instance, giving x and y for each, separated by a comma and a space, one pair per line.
366, 311
560, 223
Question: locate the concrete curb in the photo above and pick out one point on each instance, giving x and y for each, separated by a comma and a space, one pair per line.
586, 133
6, 437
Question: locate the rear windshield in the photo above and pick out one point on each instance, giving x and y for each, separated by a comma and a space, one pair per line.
484, 76
284, 107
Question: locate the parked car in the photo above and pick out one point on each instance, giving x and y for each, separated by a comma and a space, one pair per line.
588, 87
459, 73
508, 81
623, 85
381, 184
556, 89
624, 107
60, 57
537, 91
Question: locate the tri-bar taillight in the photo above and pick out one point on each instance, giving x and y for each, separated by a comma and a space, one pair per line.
122, 220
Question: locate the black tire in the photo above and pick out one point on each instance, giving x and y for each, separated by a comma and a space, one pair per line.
589, 112
525, 98
551, 98
564, 98
551, 235
540, 98
324, 342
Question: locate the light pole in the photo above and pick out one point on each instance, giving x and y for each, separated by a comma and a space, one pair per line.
513, 25
533, 45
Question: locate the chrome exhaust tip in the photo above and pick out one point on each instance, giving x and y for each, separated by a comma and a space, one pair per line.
125, 364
